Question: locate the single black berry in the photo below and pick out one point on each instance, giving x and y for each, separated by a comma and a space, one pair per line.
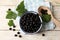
15, 35
20, 36
45, 10
43, 34
14, 30
14, 26
10, 28
9, 9
18, 32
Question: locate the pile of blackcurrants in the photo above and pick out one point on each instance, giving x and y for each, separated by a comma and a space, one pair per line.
30, 22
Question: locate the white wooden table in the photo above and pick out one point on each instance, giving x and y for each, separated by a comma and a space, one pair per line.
5, 34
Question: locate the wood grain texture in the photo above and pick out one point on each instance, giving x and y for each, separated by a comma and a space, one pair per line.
5, 34
9, 35
9, 2
54, 2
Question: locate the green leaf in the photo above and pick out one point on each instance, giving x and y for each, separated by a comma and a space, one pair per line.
21, 9
10, 23
11, 15
46, 18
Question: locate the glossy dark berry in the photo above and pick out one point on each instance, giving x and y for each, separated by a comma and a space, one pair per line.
14, 30
10, 28
9, 9
43, 34
14, 26
18, 32
15, 35
20, 36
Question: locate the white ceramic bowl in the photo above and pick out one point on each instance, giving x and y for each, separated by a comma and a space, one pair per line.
40, 25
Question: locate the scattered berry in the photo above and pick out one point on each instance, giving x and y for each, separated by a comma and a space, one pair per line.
14, 30
10, 28
9, 9
20, 36
15, 35
18, 32
43, 34
14, 26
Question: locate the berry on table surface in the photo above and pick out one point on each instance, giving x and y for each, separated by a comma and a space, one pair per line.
14, 29
14, 26
18, 32
15, 35
9, 9
20, 36
10, 28
43, 34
